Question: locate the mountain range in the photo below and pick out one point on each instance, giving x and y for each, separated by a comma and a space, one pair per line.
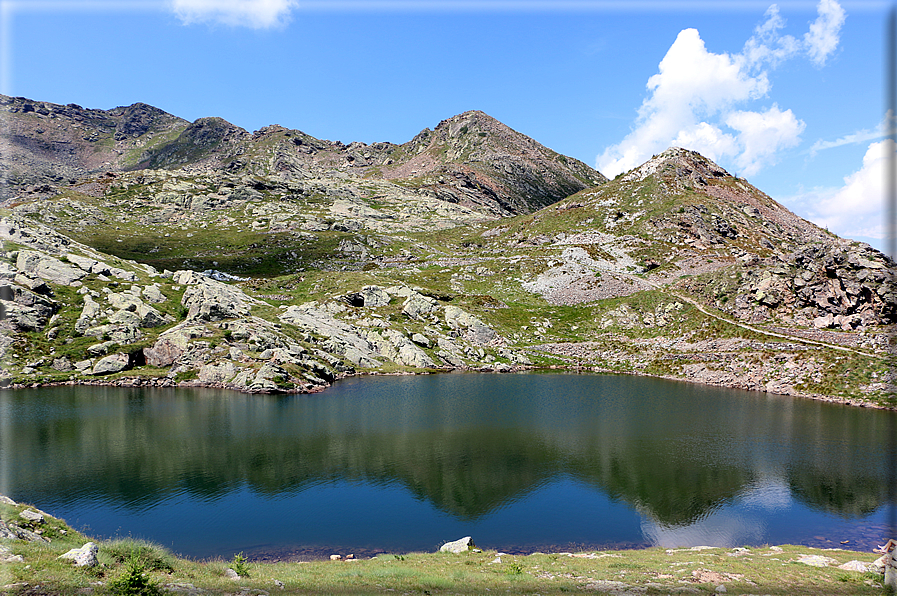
140, 248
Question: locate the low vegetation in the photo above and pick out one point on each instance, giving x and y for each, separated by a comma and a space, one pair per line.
131, 567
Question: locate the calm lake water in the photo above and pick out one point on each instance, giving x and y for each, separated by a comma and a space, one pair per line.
520, 462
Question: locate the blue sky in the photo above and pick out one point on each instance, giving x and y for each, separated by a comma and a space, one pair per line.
789, 96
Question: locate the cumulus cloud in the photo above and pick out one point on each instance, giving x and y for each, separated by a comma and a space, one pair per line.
694, 99
761, 135
257, 14
857, 208
822, 38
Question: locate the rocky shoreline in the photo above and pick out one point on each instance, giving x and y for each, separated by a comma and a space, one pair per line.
169, 383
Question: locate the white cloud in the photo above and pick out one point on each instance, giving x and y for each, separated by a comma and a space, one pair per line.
708, 140
693, 99
691, 82
885, 128
766, 45
822, 38
761, 135
856, 209
257, 14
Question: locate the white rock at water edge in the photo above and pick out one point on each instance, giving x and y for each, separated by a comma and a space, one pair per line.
461, 545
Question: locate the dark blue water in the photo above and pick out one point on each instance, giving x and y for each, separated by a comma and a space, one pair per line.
520, 462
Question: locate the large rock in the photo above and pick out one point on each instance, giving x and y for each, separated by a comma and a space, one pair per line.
210, 300
88, 314
475, 331
461, 545
394, 346
163, 353
417, 306
85, 263
23, 318
220, 372
27, 310
111, 364
172, 344
343, 338
86, 556
49, 268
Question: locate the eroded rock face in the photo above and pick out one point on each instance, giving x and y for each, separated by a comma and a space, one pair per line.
819, 286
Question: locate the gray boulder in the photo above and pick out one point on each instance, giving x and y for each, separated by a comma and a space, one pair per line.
154, 294
62, 364
475, 331
172, 344
461, 545
86, 556
210, 300
374, 296
49, 268
163, 353
111, 364
417, 306
32, 516
23, 318
84, 263
216, 373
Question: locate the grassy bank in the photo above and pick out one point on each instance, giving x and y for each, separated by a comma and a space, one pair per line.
129, 566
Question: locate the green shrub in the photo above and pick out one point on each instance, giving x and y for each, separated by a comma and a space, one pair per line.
134, 581
240, 564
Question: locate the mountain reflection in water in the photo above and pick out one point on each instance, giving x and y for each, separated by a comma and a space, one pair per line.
671, 463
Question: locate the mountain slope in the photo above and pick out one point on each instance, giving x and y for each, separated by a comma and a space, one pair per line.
471, 160
48, 146
675, 269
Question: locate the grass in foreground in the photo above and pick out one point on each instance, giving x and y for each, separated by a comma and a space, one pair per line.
134, 567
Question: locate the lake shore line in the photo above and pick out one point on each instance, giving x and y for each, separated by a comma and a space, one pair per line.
47, 560
167, 382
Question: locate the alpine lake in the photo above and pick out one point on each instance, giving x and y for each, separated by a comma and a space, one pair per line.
521, 462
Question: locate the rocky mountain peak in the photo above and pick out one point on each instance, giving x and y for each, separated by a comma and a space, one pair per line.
682, 163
